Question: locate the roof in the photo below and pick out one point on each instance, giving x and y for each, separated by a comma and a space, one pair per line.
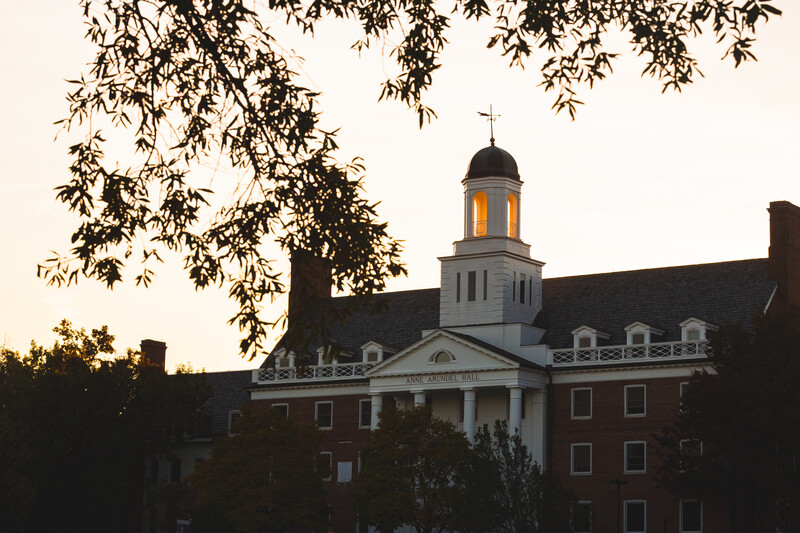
499, 351
398, 323
227, 393
492, 161
718, 293
733, 291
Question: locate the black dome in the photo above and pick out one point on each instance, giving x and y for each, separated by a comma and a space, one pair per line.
492, 161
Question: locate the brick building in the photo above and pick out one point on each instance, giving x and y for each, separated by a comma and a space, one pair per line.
586, 368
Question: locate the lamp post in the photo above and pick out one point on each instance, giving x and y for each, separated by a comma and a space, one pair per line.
619, 483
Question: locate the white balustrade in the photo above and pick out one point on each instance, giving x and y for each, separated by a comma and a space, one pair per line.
314, 372
629, 353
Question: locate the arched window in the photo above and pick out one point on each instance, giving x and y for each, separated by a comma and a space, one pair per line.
513, 232
479, 209
443, 356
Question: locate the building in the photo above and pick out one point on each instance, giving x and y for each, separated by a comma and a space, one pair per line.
586, 368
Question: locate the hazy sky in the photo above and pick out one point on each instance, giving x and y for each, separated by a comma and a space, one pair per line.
638, 180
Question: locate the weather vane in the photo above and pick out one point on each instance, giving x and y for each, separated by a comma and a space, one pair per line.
491, 117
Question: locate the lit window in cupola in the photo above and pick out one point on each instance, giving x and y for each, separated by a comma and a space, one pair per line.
479, 210
512, 216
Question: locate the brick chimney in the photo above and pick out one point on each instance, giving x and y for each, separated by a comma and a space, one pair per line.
312, 280
784, 253
154, 353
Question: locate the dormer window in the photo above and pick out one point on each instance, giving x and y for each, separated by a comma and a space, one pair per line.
640, 333
372, 352
586, 337
332, 354
695, 330
284, 360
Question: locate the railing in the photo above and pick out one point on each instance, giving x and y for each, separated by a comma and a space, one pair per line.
512, 230
479, 228
316, 372
629, 353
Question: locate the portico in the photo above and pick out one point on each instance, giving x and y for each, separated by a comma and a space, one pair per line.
467, 383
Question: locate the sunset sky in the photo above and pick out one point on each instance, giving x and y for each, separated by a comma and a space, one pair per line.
640, 179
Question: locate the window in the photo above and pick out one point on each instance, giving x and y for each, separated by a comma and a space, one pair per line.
635, 513
635, 457
584, 342
691, 516
635, 400
324, 462
458, 286
372, 356
514, 288
581, 403
693, 335
443, 356
485, 283
512, 216
479, 211
344, 472
522, 288
691, 450
323, 414
364, 413
233, 416
581, 459
175, 470
582, 517
283, 362
471, 282
282, 407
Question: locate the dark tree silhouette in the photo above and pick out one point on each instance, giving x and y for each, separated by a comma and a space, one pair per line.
75, 423
738, 434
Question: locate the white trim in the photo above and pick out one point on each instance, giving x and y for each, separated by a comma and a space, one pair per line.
361, 403
577, 375
625, 516
572, 471
625, 464
644, 406
283, 404
316, 415
572, 404
330, 465
231, 414
680, 516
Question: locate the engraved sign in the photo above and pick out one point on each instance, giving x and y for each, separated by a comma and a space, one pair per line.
443, 378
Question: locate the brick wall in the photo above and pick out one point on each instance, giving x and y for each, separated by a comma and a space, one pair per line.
607, 430
343, 440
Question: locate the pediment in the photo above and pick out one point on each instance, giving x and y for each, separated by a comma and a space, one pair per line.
423, 357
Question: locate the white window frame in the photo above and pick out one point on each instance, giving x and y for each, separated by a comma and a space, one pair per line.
644, 466
625, 517
433, 361
572, 404
591, 513
635, 415
584, 332
373, 347
231, 415
572, 459
282, 404
641, 328
361, 410
695, 324
680, 517
330, 465
343, 475
316, 415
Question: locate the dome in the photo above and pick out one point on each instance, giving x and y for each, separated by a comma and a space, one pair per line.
492, 161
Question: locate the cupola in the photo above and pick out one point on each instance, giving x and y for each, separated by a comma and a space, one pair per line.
492, 161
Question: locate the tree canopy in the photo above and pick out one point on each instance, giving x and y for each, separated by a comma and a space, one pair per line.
410, 470
506, 491
263, 479
738, 434
75, 421
204, 81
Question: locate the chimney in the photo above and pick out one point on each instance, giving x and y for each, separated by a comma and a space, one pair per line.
154, 353
784, 253
311, 280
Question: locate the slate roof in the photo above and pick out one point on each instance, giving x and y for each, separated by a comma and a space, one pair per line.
227, 393
732, 291
405, 314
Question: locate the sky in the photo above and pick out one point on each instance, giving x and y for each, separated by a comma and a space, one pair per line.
639, 179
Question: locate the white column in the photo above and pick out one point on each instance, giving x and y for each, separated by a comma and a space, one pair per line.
377, 406
515, 410
419, 398
538, 424
469, 414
